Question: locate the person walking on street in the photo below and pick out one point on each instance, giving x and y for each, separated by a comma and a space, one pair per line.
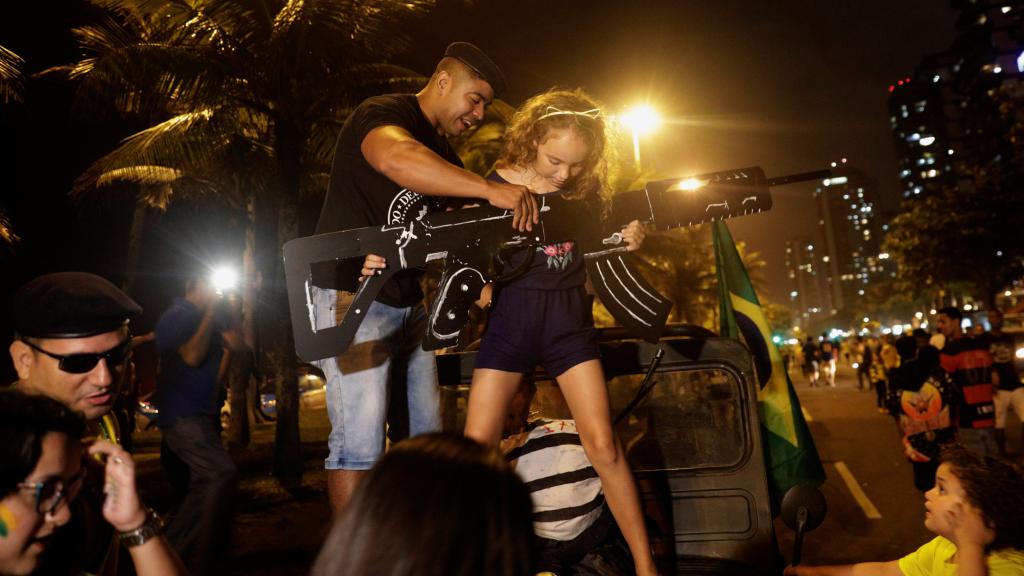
862, 355
969, 363
828, 360
811, 362
1010, 393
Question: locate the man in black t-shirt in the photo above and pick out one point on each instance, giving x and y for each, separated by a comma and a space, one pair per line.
1009, 393
391, 164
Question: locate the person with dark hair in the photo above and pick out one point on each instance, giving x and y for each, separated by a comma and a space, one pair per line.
434, 504
42, 475
72, 343
862, 353
575, 530
392, 163
975, 510
828, 359
191, 337
922, 398
1010, 392
812, 358
969, 363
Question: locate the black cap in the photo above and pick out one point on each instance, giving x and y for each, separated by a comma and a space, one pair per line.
71, 305
479, 63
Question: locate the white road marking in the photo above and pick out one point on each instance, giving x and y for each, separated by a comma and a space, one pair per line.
858, 494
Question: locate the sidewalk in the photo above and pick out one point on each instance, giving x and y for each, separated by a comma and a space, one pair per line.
278, 530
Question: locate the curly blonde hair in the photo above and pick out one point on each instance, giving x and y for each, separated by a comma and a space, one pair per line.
562, 109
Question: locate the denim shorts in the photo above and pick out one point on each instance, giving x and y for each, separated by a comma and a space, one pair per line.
384, 385
530, 328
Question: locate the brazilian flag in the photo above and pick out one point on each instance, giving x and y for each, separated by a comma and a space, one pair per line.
790, 454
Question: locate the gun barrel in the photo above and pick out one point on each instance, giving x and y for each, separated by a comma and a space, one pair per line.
801, 177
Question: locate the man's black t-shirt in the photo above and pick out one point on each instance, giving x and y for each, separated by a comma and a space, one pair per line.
358, 196
1002, 348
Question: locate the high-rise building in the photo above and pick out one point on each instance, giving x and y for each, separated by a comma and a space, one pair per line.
805, 268
944, 117
850, 228
924, 115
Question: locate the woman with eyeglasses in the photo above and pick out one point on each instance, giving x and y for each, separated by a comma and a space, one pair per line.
42, 473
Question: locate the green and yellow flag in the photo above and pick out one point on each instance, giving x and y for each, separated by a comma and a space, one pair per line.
790, 454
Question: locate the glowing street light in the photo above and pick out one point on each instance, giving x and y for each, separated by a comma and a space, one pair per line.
641, 120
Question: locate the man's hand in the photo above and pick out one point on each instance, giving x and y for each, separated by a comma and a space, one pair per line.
372, 266
634, 235
516, 198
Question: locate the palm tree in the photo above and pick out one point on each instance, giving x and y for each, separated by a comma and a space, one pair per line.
12, 80
12, 89
246, 98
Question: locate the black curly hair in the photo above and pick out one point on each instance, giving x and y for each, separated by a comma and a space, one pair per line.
996, 488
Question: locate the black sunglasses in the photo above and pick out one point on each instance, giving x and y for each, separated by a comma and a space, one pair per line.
82, 363
51, 493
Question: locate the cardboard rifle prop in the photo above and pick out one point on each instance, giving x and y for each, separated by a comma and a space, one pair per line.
470, 240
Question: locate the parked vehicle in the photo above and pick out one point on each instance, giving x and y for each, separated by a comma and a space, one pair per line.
694, 443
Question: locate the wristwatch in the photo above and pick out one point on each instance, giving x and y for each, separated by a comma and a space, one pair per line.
151, 526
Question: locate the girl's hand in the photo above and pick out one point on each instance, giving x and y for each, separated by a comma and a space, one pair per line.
486, 296
634, 235
373, 265
121, 507
969, 526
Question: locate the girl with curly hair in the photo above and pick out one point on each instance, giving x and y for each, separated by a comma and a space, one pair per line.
557, 143
975, 510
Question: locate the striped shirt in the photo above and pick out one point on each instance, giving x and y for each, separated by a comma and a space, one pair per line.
968, 362
565, 489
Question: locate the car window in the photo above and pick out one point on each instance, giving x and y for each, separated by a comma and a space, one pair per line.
690, 419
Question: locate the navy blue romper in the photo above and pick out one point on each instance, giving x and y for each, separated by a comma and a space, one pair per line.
543, 317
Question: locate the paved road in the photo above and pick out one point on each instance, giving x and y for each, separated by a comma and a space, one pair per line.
851, 434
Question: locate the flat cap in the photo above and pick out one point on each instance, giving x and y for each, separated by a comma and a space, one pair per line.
71, 305
479, 63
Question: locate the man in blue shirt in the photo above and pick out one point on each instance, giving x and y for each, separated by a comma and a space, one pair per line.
190, 338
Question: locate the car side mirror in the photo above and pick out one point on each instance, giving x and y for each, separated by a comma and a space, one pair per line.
803, 509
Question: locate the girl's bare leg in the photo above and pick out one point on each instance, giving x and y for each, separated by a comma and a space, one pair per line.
586, 394
490, 396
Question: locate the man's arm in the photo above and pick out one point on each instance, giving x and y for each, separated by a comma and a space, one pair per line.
194, 350
394, 152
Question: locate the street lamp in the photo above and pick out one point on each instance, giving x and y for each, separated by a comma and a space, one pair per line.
641, 120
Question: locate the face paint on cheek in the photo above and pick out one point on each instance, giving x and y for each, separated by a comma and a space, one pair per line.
7, 521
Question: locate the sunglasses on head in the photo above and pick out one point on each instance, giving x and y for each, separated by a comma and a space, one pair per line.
85, 362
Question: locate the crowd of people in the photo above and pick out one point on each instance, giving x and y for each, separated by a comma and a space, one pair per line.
433, 503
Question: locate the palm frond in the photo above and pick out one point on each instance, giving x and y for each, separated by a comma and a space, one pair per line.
12, 79
8, 238
186, 141
146, 175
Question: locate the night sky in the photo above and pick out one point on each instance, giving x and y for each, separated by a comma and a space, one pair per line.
789, 86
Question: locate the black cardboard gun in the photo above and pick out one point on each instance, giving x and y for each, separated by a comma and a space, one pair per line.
470, 240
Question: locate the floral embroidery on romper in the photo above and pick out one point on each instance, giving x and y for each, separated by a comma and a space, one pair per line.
559, 255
